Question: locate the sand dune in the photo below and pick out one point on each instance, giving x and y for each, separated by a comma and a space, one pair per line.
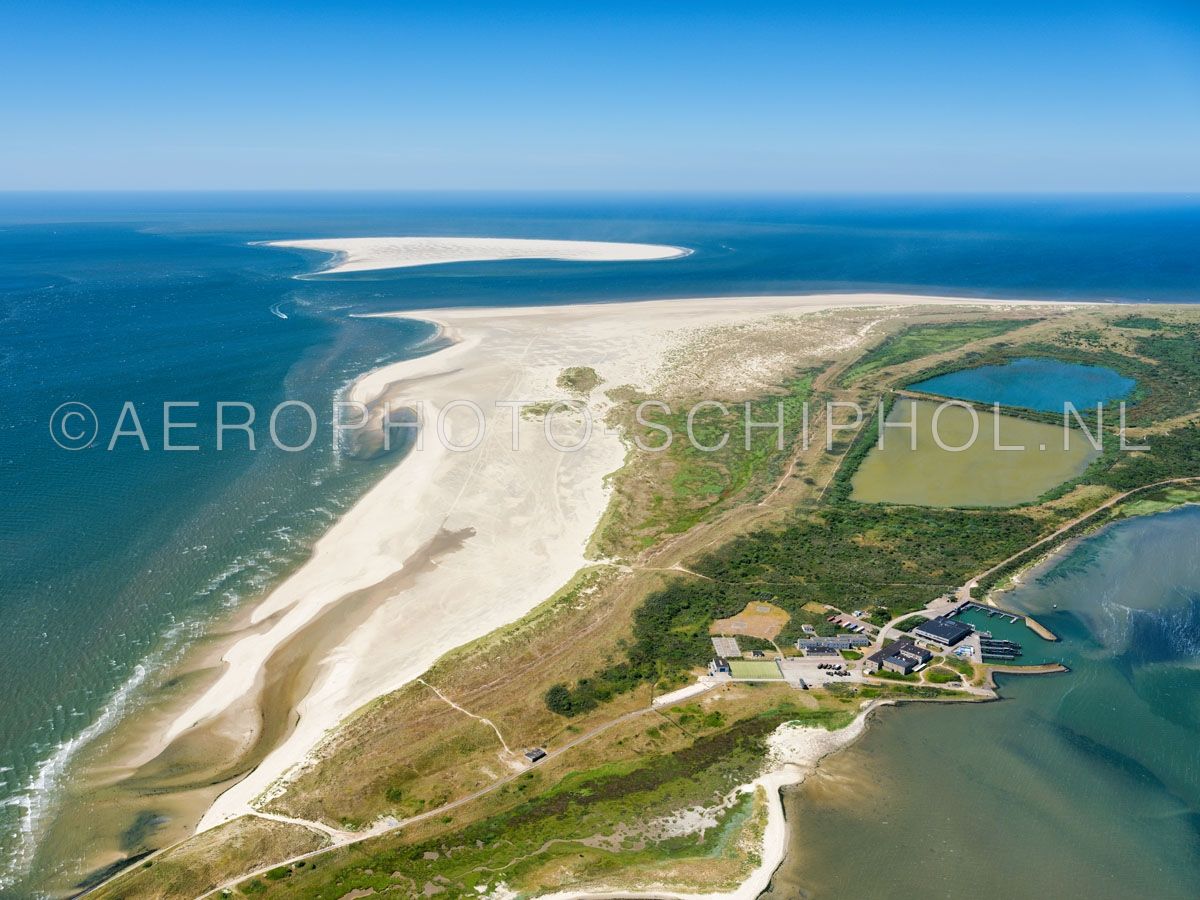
370, 253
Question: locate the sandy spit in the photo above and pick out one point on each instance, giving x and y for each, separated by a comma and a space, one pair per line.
372, 253
524, 515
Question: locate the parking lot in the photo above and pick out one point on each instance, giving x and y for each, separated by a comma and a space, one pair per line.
808, 669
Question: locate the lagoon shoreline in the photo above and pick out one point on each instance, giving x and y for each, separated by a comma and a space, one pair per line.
794, 754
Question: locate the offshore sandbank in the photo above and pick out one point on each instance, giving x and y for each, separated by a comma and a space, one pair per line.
367, 254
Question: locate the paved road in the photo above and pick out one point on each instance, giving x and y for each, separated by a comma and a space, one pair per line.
964, 592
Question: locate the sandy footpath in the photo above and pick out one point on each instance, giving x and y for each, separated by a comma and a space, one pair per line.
373, 253
521, 518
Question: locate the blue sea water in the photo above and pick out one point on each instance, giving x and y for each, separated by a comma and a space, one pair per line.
1034, 383
1082, 785
111, 562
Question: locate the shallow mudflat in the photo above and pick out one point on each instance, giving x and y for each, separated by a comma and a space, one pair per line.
979, 475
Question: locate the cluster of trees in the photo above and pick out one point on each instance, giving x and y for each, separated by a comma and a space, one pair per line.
897, 557
670, 635
1175, 454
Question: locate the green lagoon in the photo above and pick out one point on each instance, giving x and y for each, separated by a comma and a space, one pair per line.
980, 475
1082, 785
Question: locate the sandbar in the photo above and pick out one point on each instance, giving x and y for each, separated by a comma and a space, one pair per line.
367, 254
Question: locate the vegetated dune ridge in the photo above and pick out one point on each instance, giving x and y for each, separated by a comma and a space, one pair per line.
793, 753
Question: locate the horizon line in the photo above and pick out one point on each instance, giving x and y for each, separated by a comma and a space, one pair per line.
743, 192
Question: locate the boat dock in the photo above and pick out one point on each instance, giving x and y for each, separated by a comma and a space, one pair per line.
990, 611
995, 612
991, 648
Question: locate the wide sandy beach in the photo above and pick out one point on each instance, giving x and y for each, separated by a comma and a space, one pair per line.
451, 545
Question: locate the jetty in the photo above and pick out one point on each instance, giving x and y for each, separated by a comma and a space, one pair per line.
1011, 669
1039, 629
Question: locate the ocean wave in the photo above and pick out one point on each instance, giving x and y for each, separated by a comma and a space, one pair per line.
37, 797
341, 446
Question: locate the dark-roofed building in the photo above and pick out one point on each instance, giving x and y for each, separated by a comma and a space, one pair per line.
535, 754
900, 657
820, 650
719, 666
942, 631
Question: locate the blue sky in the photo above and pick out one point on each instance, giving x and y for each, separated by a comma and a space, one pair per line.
867, 96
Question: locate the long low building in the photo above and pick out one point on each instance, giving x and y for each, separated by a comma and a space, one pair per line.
835, 642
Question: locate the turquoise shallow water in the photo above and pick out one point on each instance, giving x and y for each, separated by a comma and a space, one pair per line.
111, 562
1083, 785
1033, 383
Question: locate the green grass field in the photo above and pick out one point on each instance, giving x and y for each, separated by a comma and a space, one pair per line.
1161, 502
691, 482
754, 668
